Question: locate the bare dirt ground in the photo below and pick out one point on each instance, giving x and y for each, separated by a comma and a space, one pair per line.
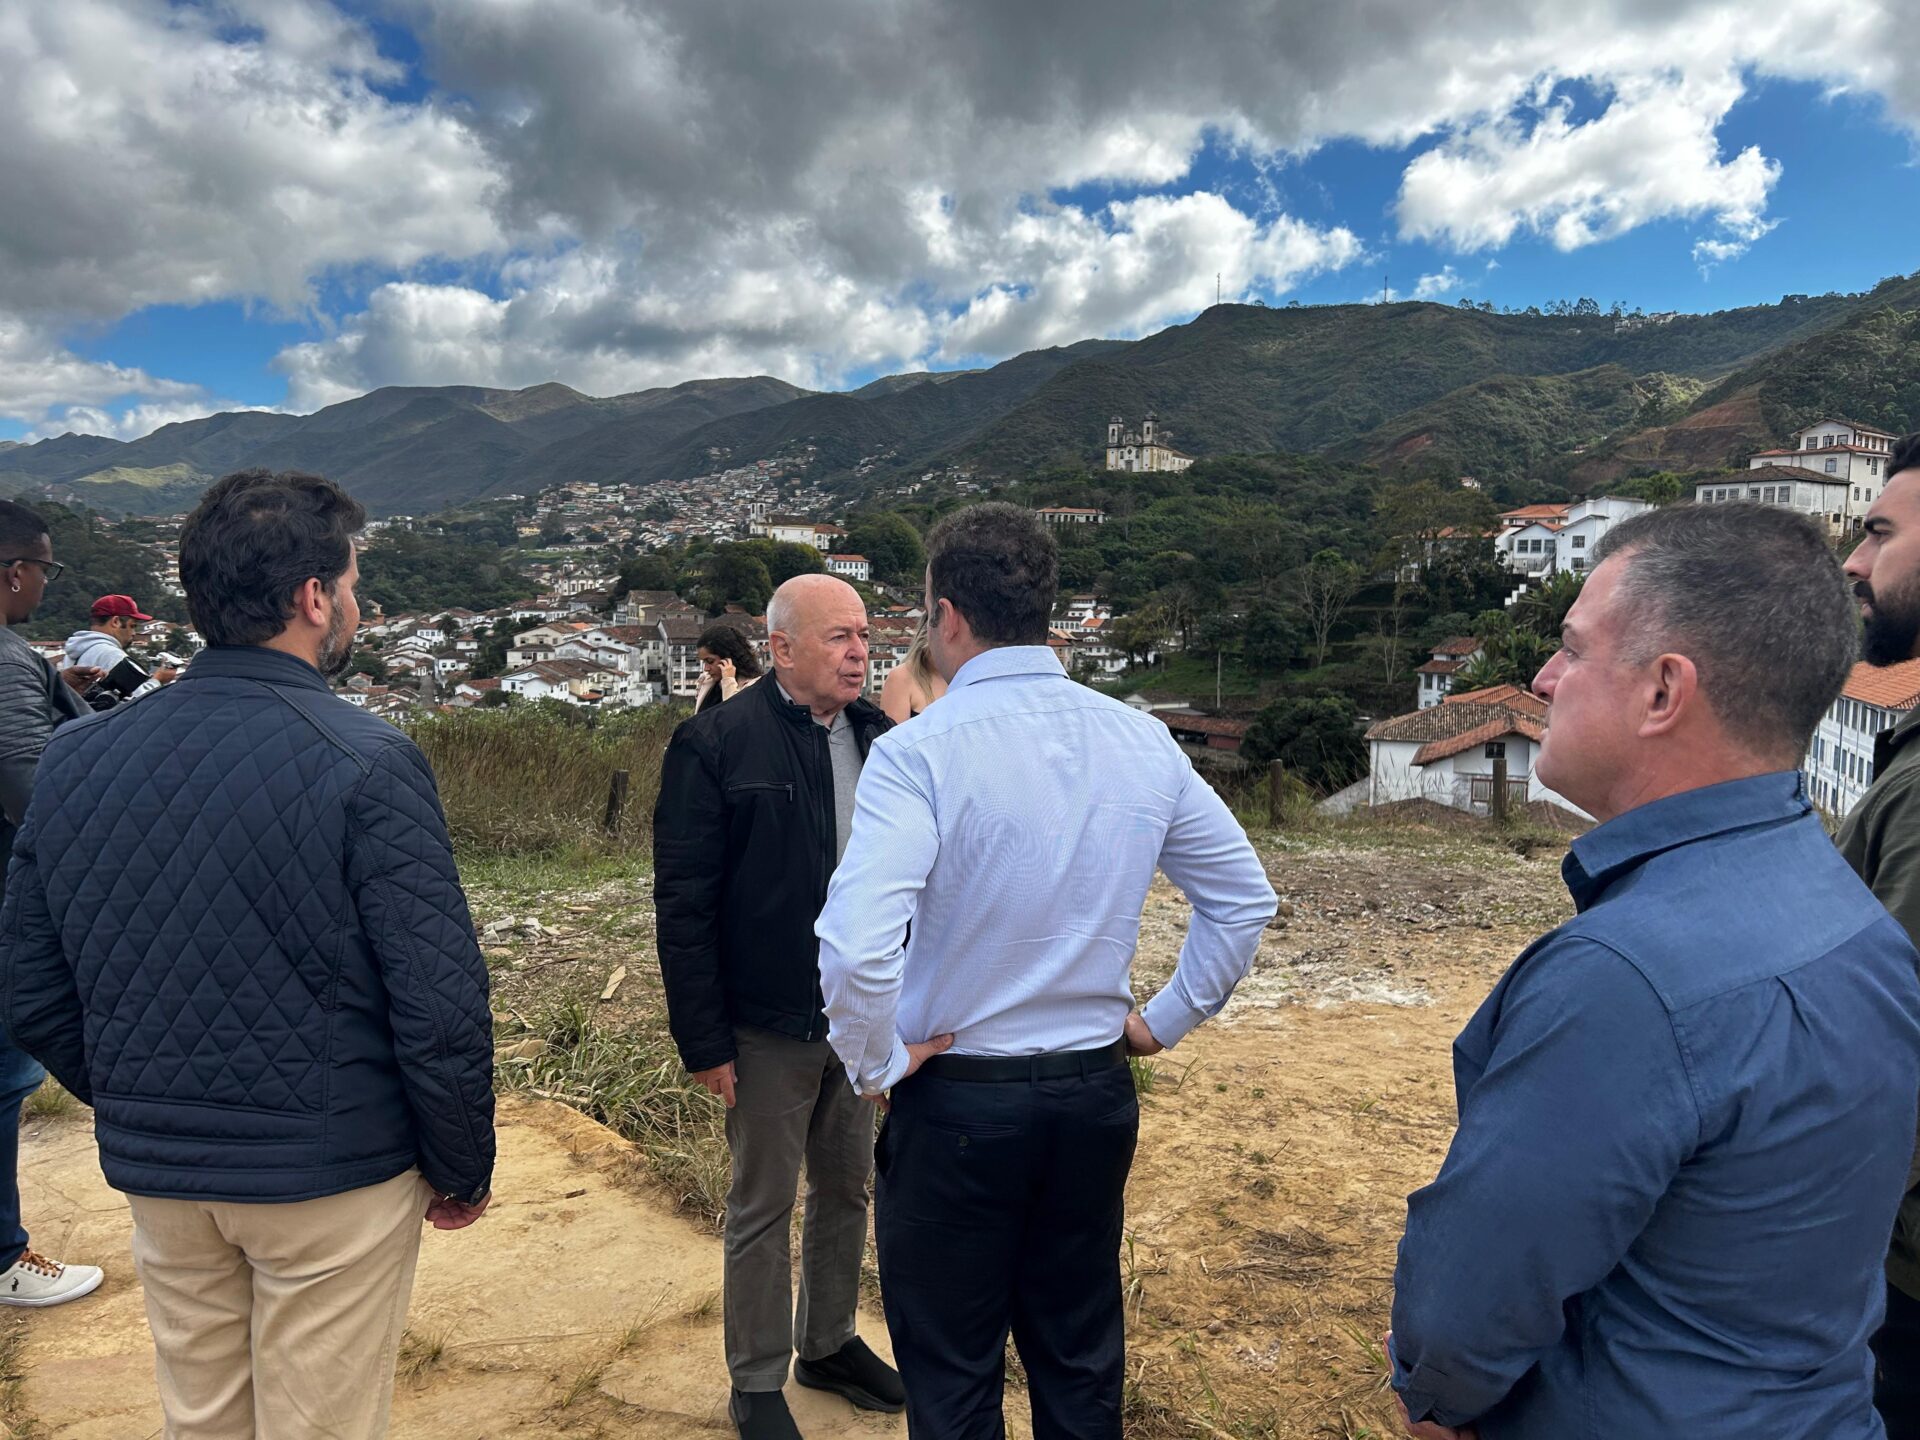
1277, 1147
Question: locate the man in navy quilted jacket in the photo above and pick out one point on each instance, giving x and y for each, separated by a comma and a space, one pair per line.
233, 927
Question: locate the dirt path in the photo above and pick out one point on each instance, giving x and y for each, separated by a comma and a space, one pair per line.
581, 1306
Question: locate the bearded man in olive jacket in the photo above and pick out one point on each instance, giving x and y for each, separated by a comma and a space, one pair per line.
1880, 839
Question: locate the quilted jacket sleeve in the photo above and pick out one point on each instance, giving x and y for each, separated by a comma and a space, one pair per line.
39, 1003
415, 916
689, 858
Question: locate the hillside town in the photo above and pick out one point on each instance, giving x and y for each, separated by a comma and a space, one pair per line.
582, 641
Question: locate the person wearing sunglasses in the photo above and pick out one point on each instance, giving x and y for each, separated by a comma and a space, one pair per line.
33, 700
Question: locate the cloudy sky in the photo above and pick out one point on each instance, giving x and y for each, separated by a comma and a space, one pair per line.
283, 203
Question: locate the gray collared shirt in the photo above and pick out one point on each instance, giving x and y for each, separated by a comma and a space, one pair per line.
843, 748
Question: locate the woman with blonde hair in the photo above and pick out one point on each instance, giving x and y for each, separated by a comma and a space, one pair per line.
913, 684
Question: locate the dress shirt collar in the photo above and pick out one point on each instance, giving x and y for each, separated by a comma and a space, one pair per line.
1604, 854
1007, 660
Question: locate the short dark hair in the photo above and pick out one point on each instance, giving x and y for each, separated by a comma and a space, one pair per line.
1754, 596
254, 539
1905, 454
728, 643
19, 528
999, 567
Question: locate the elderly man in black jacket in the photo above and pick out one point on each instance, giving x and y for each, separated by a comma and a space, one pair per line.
756, 797
234, 928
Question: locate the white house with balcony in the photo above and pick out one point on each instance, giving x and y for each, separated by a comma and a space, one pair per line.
850, 567
1558, 539
1840, 763
1530, 549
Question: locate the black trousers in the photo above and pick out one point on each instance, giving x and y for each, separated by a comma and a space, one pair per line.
1896, 1353
997, 1207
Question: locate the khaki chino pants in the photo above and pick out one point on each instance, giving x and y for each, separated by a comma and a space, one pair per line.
279, 1322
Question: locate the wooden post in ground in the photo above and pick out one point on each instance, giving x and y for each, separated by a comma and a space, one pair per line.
1276, 794
1499, 789
616, 801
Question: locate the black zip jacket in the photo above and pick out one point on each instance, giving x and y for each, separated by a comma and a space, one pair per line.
743, 846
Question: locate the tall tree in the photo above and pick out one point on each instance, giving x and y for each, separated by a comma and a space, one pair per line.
1316, 737
1323, 588
892, 547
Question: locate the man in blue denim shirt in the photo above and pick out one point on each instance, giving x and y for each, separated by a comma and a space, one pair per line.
1666, 1208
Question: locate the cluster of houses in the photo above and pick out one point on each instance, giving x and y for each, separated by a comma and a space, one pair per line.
717, 506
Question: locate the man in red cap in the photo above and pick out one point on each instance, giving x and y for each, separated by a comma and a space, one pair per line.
105, 642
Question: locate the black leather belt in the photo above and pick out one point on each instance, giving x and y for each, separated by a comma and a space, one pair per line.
1058, 1066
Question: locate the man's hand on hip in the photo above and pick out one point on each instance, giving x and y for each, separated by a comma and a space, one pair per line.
917, 1055
1140, 1039
447, 1213
720, 1080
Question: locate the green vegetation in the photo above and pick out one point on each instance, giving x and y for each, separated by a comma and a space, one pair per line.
535, 778
404, 570
1316, 738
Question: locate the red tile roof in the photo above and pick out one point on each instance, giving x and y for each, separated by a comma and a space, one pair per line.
1514, 697
1538, 512
1507, 724
1438, 667
1203, 724
1889, 687
1457, 645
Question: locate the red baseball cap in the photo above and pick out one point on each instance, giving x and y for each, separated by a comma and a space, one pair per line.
108, 606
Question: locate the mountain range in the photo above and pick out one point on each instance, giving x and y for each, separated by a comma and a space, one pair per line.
1521, 400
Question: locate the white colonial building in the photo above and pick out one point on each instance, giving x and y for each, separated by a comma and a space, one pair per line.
850, 567
816, 533
1827, 499
1840, 764
1834, 469
1142, 449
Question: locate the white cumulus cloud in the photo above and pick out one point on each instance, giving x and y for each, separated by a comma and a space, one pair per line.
619, 193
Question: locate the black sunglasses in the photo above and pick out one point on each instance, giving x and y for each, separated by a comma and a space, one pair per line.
52, 567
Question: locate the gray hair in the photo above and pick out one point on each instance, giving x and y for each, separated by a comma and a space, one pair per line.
1754, 596
780, 612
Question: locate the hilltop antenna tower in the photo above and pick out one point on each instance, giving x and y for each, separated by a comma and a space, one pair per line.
1385, 289
1216, 287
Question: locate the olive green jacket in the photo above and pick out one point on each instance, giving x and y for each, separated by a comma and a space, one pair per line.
1880, 839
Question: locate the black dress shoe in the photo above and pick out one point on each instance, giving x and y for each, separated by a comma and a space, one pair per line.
857, 1373
762, 1415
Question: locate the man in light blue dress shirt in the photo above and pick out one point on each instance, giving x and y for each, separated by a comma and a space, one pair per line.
1003, 845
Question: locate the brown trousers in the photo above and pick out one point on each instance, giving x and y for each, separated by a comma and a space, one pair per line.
279, 1322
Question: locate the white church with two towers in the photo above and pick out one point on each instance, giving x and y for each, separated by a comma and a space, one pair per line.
1142, 449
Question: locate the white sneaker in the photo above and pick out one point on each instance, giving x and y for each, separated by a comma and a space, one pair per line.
36, 1280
